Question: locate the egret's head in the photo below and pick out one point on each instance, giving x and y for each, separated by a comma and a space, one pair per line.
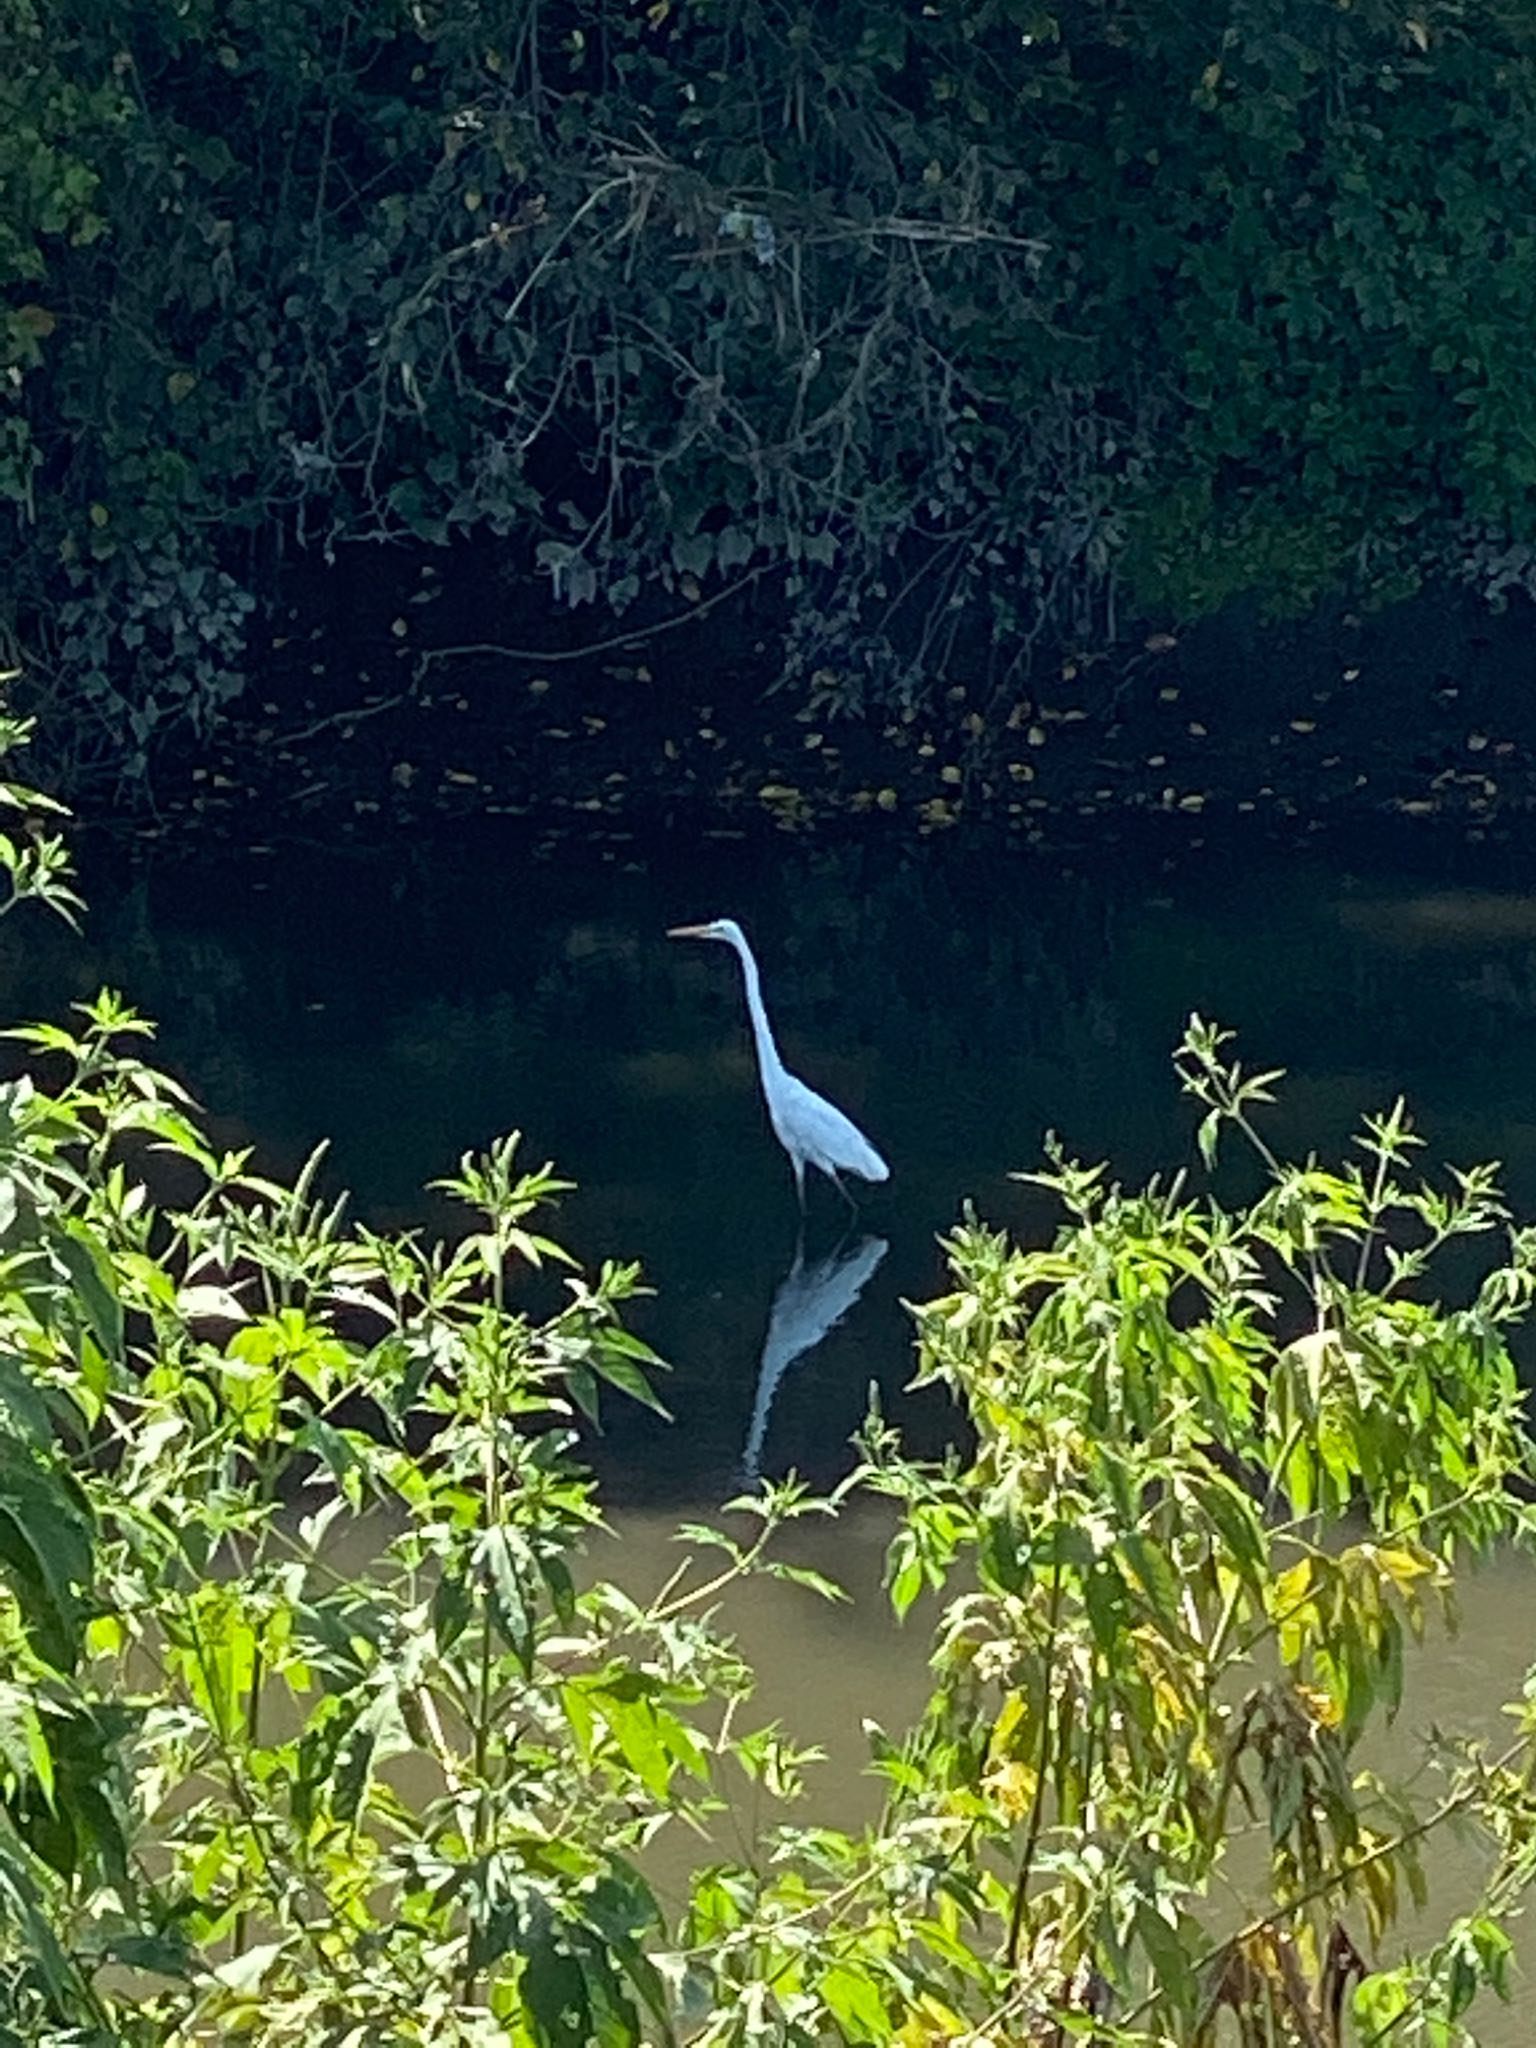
725, 928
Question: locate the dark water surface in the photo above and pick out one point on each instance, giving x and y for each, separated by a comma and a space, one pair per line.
411, 1003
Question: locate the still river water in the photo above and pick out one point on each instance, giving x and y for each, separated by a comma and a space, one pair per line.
957, 1004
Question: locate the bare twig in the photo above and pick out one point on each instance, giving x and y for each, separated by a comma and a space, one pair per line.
543, 656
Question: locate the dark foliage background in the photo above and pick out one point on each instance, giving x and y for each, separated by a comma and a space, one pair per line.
983, 322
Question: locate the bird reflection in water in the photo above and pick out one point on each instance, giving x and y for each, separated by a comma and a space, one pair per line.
809, 1301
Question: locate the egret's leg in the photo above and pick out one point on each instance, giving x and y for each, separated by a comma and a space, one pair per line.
799, 1165
837, 1182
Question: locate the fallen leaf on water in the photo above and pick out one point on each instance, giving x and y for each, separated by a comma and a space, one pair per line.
886, 799
1303, 725
399, 628
950, 774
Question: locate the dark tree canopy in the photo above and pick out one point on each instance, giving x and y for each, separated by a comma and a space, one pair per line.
978, 321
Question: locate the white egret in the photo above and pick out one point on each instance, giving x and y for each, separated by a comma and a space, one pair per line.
812, 1131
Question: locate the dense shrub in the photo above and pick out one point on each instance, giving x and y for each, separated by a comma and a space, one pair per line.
973, 320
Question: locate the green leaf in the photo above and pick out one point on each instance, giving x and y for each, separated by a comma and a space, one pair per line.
854, 2001
1170, 1958
45, 1552
85, 1260
503, 1556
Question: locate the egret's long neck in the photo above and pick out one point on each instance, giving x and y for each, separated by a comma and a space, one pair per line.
762, 1031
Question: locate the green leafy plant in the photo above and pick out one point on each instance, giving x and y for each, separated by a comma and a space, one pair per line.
311, 1730
1226, 1462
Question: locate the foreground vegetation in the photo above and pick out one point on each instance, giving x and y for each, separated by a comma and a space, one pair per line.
967, 323
307, 1734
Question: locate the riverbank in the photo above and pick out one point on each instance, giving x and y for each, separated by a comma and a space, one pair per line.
387, 709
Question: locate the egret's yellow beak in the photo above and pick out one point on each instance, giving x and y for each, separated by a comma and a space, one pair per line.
690, 931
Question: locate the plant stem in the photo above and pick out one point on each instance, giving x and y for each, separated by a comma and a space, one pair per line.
1037, 1803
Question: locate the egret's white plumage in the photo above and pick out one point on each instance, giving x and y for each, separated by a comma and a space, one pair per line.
813, 1131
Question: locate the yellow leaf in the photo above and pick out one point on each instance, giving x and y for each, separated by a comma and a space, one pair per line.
1011, 1786
1322, 1706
